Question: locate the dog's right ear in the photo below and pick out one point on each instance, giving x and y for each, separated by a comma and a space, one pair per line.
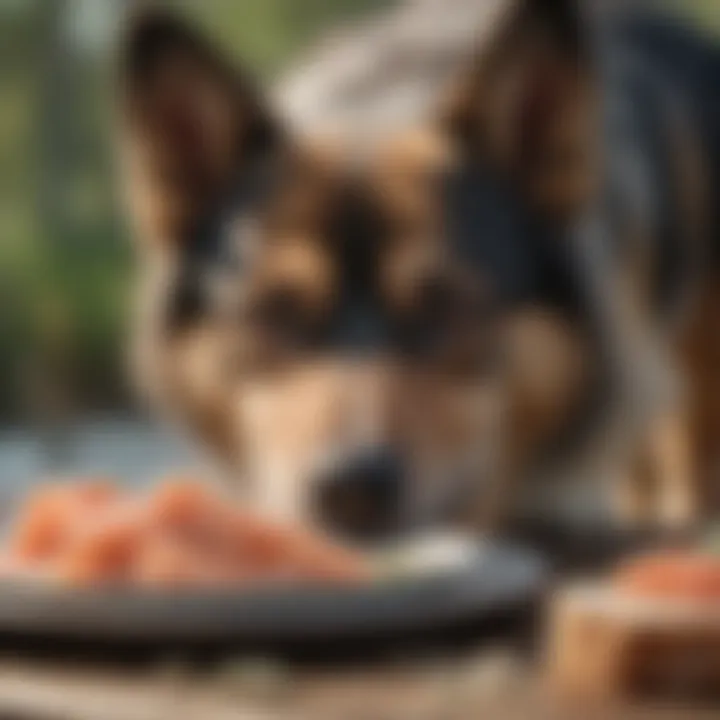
529, 103
190, 123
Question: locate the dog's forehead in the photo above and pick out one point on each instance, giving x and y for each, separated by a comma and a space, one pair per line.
339, 162
410, 192
354, 205
322, 188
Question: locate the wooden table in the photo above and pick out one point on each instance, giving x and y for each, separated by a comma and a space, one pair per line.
491, 684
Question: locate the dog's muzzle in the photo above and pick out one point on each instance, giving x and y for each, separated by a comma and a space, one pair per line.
362, 495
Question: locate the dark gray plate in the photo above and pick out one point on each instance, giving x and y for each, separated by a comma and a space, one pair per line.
497, 579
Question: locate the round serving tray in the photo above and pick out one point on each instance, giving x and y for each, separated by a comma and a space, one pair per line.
494, 582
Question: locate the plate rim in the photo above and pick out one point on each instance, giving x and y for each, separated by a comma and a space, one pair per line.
280, 612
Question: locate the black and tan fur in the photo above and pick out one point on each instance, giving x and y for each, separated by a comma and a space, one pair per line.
301, 308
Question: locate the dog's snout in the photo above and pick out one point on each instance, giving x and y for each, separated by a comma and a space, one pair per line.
363, 494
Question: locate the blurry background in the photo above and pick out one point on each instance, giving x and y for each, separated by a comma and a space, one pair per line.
65, 262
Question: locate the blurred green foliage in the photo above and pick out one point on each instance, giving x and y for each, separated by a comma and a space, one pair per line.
65, 261
706, 12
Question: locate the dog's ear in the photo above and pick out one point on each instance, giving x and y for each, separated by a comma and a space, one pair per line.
528, 103
190, 122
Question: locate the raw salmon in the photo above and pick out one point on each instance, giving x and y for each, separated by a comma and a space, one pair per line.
181, 533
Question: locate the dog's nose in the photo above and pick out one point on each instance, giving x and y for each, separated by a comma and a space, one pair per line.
362, 496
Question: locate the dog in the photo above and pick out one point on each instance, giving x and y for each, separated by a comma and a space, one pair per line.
380, 341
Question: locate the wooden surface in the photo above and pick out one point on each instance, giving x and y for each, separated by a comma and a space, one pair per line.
491, 685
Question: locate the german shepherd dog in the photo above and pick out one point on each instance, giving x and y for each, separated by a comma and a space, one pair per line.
400, 339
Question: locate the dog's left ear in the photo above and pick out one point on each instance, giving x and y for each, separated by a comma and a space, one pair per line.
191, 123
528, 103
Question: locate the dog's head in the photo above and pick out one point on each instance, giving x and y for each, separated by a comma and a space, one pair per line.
362, 338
